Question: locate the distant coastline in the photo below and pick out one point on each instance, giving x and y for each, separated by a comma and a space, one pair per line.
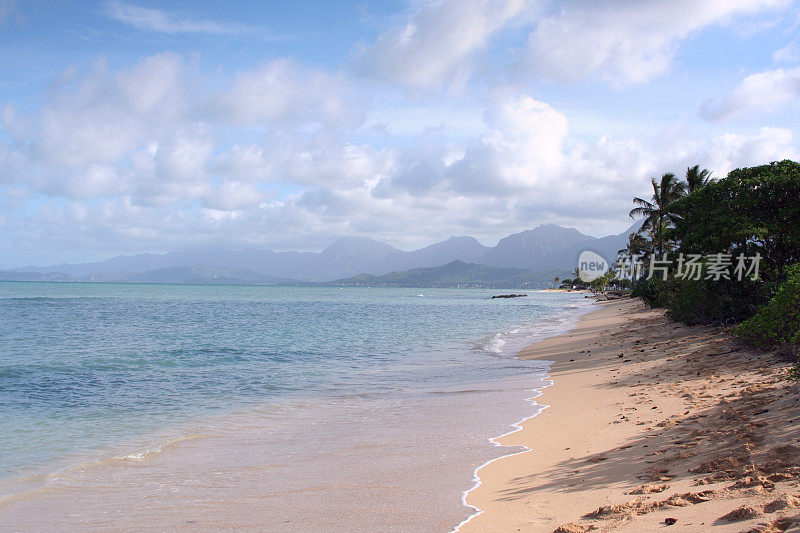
529, 259
456, 274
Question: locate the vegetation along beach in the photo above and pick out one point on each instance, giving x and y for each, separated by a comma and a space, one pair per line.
400, 266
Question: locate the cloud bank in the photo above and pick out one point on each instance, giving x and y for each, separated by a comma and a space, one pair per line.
153, 156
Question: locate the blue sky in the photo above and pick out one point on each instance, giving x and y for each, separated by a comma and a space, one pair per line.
153, 126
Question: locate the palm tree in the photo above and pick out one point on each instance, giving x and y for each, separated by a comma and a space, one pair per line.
696, 178
656, 212
636, 246
610, 278
556, 280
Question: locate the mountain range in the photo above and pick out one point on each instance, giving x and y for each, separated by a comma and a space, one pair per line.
546, 249
456, 274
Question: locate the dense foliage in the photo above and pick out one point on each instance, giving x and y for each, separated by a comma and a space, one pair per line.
777, 322
752, 211
704, 301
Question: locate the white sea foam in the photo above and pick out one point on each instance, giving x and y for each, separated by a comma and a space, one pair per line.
561, 325
517, 426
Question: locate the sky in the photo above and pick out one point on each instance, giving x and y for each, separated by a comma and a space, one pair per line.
142, 126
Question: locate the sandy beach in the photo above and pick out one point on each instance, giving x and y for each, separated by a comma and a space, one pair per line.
650, 424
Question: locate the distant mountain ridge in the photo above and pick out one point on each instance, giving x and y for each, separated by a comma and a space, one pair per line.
466, 249
456, 274
546, 248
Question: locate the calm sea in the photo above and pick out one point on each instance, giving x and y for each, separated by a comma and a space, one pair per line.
90, 372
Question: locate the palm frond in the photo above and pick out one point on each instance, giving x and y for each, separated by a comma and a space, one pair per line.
696, 178
641, 212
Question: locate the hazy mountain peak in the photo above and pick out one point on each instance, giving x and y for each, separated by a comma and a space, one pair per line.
529, 248
552, 229
455, 248
368, 249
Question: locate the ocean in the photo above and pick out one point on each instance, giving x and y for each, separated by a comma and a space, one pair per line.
277, 408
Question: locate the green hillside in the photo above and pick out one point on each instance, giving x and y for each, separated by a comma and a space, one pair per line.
454, 274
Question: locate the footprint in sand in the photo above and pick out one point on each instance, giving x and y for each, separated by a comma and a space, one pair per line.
787, 501
650, 488
737, 515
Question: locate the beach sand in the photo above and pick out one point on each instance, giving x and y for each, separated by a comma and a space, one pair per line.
649, 420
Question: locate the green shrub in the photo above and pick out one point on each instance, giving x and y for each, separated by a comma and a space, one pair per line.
778, 322
704, 301
715, 302
652, 292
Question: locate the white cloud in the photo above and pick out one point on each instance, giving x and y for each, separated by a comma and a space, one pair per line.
156, 20
587, 185
435, 45
282, 90
320, 160
329, 161
184, 157
147, 131
420, 169
96, 181
439, 44
624, 43
730, 150
523, 150
528, 168
788, 54
153, 85
248, 162
107, 115
233, 196
770, 90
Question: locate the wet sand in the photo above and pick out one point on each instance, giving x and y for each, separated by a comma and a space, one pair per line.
396, 462
649, 420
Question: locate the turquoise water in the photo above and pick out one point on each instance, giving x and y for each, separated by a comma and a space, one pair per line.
86, 366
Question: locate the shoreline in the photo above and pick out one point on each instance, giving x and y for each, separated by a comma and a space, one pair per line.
146, 486
516, 426
642, 419
648, 419
519, 425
